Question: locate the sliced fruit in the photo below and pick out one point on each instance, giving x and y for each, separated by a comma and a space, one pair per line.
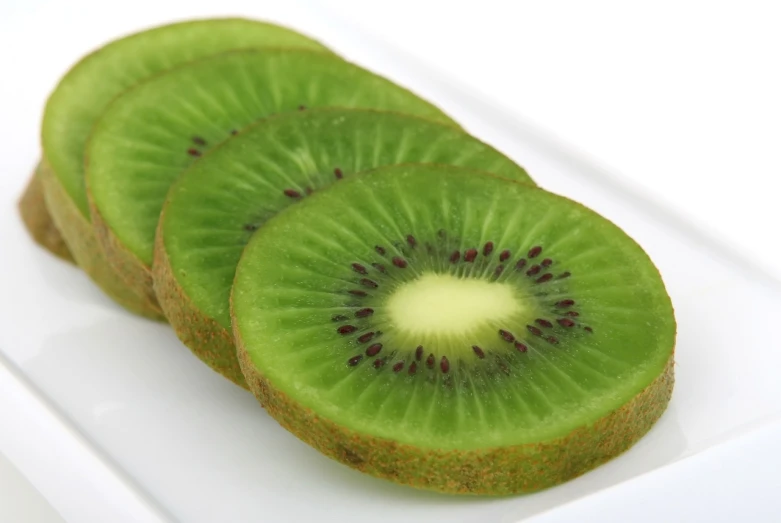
217, 204
36, 218
85, 91
515, 340
151, 133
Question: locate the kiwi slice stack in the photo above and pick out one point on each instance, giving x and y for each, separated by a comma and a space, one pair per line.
149, 134
395, 292
278, 162
80, 98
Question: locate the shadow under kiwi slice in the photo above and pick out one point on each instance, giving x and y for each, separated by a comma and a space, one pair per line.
83, 94
515, 339
151, 133
217, 204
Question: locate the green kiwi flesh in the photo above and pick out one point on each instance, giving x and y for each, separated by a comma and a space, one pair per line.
217, 204
515, 340
85, 91
36, 218
148, 135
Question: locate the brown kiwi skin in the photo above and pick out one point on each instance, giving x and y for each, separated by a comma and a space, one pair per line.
83, 245
132, 271
209, 340
37, 219
495, 471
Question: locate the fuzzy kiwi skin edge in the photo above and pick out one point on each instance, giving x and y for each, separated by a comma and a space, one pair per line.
37, 219
136, 276
83, 245
209, 340
495, 471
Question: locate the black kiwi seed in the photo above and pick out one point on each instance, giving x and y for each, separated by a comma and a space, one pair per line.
363, 313
366, 282
534, 330
545, 277
346, 329
363, 338
507, 336
399, 262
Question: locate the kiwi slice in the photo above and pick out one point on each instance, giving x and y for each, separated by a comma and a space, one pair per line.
38, 221
152, 132
514, 340
85, 91
214, 207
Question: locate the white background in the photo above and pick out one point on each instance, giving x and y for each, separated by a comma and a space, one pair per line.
679, 98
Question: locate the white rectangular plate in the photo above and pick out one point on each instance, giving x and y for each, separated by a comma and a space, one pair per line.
114, 420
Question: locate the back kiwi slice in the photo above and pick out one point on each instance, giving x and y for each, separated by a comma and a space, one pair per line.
512, 340
36, 218
150, 133
215, 206
83, 94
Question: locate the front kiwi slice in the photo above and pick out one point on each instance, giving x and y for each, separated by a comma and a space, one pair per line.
214, 207
513, 340
83, 94
36, 218
152, 132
